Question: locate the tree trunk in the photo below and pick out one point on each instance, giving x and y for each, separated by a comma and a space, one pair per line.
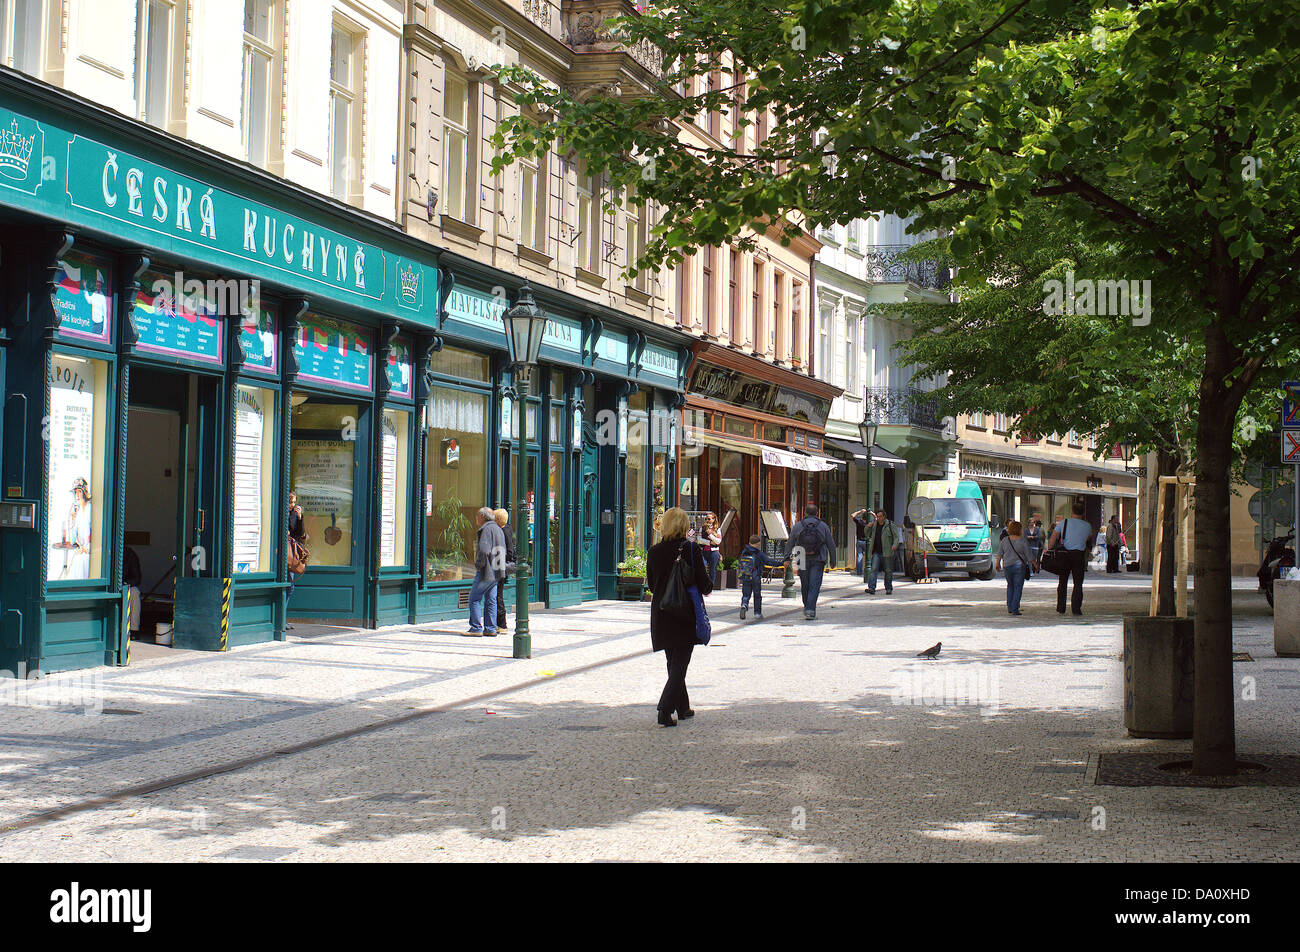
1213, 736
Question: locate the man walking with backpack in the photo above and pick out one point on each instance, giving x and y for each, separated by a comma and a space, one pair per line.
811, 547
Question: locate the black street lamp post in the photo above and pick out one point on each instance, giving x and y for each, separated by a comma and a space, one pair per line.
867, 430
525, 324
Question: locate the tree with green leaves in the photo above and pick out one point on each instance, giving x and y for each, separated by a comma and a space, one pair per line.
1168, 126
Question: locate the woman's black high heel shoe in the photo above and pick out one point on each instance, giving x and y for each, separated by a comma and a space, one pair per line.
666, 720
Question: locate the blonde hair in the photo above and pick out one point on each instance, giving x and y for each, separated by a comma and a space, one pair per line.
501, 516
675, 524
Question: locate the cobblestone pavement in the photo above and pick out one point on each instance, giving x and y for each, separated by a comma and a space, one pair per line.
823, 740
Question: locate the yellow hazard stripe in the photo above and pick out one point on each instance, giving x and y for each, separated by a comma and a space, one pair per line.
225, 613
126, 628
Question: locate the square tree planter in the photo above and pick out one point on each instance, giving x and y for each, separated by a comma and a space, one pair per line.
631, 588
1158, 676
730, 578
1286, 618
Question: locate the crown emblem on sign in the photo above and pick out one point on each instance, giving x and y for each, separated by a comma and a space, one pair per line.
410, 281
15, 150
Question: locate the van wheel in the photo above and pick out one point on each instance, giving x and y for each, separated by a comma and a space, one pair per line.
986, 576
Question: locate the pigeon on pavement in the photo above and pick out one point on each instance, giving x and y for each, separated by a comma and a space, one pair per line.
931, 653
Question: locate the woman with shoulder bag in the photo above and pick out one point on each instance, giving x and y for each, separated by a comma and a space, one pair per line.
672, 629
298, 553
1016, 561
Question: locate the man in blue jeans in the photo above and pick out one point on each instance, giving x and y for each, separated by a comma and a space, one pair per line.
489, 569
882, 539
1078, 534
811, 546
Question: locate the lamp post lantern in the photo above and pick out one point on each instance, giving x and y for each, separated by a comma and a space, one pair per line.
525, 324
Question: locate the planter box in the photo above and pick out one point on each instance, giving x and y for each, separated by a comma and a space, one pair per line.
631, 588
1158, 676
1286, 618
730, 578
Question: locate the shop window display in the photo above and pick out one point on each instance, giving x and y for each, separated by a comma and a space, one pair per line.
456, 484
322, 463
393, 455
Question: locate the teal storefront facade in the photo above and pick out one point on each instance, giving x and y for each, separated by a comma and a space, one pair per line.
590, 477
188, 344
183, 342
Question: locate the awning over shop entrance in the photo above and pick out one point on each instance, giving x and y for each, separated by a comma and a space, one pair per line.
722, 442
807, 463
879, 457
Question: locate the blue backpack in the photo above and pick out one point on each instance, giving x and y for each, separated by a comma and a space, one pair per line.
748, 564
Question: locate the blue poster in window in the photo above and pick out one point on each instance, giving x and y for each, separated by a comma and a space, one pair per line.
178, 318
399, 368
336, 353
257, 337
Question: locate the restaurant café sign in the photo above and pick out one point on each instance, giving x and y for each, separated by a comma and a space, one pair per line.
82, 180
741, 390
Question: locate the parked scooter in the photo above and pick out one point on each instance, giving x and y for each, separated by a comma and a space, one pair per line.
1277, 557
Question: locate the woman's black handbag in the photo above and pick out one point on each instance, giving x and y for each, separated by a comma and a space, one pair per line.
1053, 559
676, 600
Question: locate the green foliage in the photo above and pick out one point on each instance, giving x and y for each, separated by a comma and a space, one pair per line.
634, 565
456, 527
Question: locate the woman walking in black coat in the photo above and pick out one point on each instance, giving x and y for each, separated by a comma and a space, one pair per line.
675, 637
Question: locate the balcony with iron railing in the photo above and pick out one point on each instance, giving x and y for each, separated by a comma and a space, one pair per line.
902, 406
885, 264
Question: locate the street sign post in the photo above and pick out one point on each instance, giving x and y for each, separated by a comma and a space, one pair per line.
1291, 438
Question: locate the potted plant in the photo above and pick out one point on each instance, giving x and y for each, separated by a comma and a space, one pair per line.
730, 574
631, 576
449, 555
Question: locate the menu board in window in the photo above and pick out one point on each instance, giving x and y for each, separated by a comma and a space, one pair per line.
180, 318
84, 298
73, 525
250, 429
335, 353
388, 493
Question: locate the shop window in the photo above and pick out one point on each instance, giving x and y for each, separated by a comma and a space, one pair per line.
557, 385
461, 364
77, 424
394, 451
457, 479
253, 492
737, 426
634, 497
554, 515
659, 489
773, 433
322, 454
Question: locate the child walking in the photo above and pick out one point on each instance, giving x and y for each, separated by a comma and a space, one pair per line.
752, 562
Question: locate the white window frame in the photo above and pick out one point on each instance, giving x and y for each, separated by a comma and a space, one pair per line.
591, 216
351, 93
143, 53
35, 10
256, 47
532, 208
459, 197
975, 421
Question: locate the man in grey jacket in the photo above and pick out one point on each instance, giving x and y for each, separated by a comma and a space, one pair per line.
811, 546
489, 570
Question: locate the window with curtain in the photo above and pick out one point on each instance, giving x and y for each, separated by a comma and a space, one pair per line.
254, 479
456, 480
